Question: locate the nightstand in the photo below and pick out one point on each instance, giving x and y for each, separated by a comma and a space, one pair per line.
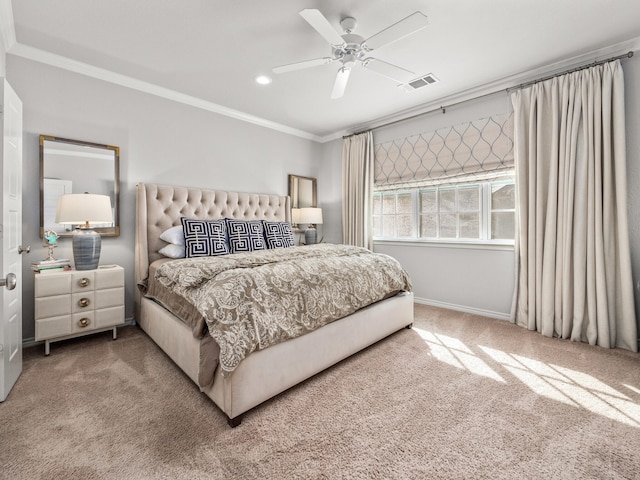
73, 303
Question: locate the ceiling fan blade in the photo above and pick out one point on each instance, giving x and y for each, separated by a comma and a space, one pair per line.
399, 74
401, 29
341, 82
300, 65
321, 24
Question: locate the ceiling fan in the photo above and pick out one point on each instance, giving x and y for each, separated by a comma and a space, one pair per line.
350, 49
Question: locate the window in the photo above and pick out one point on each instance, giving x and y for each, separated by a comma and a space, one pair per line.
478, 211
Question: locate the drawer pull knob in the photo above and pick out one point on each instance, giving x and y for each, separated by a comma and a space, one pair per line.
84, 322
83, 282
83, 302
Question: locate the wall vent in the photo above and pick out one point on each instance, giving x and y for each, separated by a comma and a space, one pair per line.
428, 79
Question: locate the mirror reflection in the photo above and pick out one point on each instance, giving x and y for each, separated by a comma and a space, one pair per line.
73, 166
302, 191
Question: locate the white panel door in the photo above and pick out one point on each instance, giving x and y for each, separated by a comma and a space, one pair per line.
10, 238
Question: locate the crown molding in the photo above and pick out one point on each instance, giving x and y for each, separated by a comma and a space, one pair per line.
65, 63
7, 27
38, 55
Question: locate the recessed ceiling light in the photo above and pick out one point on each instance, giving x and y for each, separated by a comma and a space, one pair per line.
263, 80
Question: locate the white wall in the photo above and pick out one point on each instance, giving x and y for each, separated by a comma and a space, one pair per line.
160, 141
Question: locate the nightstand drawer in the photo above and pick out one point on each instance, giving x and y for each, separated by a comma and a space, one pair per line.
83, 281
52, 306
83, 322
49, 284
107, 317
109, 277
83, 301
111, 297
53, 327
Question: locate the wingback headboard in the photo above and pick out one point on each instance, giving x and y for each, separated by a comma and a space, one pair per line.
159, 207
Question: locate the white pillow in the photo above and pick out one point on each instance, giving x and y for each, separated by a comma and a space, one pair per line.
174, 235
172, 251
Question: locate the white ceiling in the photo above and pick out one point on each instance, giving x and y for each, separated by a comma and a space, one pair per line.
207, 52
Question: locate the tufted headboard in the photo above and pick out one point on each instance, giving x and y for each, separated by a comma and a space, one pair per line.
161, 206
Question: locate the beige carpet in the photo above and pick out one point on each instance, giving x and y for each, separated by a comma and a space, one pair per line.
459, 396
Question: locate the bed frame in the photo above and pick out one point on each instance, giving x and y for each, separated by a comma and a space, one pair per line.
264, 373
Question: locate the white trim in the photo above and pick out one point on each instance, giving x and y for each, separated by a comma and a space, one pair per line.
473, 245
463, 308
7, 27
42, 56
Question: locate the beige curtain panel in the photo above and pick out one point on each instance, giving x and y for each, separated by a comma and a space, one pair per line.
480, 150
574, 278
357, 190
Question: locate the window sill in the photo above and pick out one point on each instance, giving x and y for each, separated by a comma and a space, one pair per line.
474, 244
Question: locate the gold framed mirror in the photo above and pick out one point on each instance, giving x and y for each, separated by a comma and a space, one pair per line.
303, 191
75, 166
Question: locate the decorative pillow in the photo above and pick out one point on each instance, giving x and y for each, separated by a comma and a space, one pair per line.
245, 236
205, 238
278, 234
174, 235
172, 251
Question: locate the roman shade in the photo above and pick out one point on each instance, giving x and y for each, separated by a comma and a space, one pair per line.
480, 150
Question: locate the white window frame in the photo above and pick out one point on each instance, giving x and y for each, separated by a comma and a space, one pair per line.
485, 216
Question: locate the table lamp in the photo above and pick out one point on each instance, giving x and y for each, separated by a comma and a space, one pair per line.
82, 210
311, 216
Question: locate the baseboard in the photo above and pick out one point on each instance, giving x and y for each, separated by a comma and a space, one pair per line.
32, 342
463, 308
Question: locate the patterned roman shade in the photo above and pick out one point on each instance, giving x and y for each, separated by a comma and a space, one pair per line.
480, 150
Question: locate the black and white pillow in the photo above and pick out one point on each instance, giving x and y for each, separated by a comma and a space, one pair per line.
205, 238
278, 234
245, 235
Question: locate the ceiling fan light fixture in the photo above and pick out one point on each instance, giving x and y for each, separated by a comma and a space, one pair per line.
348, 60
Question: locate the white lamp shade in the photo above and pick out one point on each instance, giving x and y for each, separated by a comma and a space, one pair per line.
295, 216
310, 215
83, 209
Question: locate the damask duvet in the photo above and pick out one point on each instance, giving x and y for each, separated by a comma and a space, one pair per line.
253, 300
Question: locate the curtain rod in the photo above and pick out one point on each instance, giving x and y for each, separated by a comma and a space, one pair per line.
566, 72
443, 108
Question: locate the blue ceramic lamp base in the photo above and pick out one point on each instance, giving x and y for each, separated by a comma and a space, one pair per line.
86, 249
310, 236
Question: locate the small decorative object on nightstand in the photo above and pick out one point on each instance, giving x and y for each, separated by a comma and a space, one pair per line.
50, 241
310, 216
73, 303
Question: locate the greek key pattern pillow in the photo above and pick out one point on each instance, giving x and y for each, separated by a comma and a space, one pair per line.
245, 236
278, 234
204, 238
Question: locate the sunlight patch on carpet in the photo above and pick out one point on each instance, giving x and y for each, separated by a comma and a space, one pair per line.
571, 387
454, 352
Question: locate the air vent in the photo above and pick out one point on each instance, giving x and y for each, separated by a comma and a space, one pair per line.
421, 82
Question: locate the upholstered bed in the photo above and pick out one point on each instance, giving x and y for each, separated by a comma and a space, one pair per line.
263, 372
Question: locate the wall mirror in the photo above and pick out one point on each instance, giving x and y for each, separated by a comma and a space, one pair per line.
302, 191
73, 166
